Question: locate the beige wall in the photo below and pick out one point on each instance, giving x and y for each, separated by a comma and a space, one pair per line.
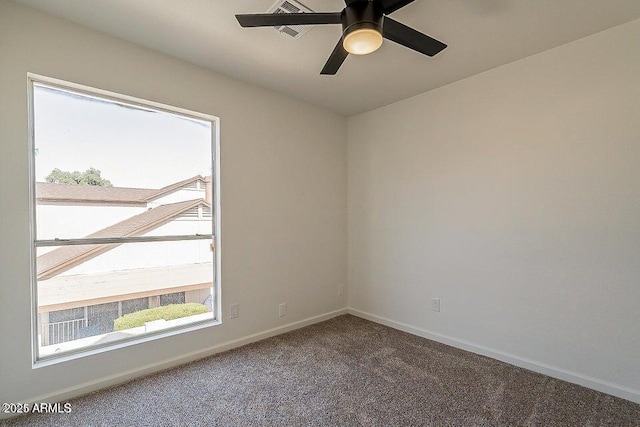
514, 196
283, 195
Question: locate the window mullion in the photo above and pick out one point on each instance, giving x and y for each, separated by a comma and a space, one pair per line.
131, 239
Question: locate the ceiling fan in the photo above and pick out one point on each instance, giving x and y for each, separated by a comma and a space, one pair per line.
364, 24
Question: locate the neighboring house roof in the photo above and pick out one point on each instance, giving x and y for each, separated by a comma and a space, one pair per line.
51, 192
174, 187
64, 292
66, 257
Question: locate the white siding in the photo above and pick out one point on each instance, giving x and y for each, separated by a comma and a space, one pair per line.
152, 254
144, 255
69, 221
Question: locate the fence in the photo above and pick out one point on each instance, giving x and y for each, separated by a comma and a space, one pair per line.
59, 332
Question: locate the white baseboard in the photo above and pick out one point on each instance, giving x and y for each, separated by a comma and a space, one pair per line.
532, 365
122, 377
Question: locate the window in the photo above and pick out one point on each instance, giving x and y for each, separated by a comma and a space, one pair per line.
125, 219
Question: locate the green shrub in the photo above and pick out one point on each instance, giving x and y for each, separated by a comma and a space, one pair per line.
166, 312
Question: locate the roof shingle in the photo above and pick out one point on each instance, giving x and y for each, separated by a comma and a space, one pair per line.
52, 192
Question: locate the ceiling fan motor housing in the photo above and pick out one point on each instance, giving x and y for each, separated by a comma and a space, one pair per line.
361, 15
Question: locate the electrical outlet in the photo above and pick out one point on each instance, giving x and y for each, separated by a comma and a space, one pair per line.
341, 289
282, 309
435, 304
234, 311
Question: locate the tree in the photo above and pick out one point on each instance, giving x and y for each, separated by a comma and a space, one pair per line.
89, 177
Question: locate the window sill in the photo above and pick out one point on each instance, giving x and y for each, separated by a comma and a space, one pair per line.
138, 338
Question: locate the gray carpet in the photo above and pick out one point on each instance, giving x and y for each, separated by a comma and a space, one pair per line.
345, 372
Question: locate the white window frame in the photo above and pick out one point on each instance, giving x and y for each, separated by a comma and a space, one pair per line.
36, 79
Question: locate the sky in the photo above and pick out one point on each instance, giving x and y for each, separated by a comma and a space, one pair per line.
131, 147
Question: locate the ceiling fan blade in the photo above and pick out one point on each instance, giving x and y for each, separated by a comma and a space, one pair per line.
407, 36
279, 19
335, 60
390, 6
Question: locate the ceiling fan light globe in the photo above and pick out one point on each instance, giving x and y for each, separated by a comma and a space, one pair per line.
362, 41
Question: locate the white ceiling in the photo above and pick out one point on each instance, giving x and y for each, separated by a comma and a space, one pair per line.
481, 34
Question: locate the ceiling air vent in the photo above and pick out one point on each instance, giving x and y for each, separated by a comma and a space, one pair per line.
291, 6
